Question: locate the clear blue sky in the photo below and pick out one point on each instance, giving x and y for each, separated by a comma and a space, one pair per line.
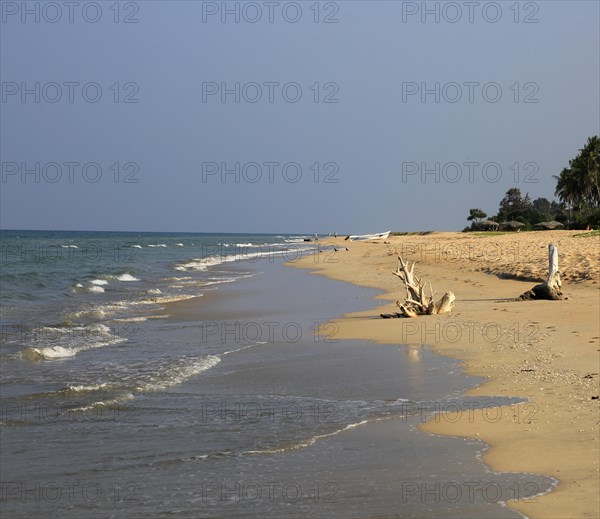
376, 62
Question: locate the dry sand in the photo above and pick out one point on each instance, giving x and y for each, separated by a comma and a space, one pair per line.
545, 351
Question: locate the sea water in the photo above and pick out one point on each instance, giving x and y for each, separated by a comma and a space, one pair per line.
193, 375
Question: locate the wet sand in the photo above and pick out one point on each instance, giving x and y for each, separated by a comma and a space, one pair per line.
362, 449
544, 351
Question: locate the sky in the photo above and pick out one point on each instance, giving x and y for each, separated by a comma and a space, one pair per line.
288, 117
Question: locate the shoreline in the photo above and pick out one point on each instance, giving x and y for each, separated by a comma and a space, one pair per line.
544, 351
404, 384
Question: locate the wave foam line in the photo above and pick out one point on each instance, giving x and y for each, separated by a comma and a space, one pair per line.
176, 375
210, 261
311, 441
104, 337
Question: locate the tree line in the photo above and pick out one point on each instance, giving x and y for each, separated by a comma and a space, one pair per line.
577, 190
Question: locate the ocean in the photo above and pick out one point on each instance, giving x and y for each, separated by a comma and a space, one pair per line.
194, 375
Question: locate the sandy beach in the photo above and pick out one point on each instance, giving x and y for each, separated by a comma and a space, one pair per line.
544, 351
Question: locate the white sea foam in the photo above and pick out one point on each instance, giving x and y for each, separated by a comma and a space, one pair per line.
245, 245
80, 388
178, 373
242, 348
93, 288
179, 244
158, 245
99, 282
165, 299
136, 246
204, 263
78, 331
56, 330
201, 264
217, 281
69, 246
154, 291
119, 307
98, 312
131, 320
98, 327
101, 403
126, 277
50, 352
80, 338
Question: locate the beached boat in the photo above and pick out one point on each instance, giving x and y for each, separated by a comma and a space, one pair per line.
377, 236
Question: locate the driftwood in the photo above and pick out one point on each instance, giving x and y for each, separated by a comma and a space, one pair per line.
417, 302
551, 288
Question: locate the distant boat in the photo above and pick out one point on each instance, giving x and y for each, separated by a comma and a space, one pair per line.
377, 236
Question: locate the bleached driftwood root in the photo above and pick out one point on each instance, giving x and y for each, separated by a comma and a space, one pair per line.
417, 302
551, 288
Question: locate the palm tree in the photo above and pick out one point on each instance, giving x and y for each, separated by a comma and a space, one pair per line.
593, 169
578, 186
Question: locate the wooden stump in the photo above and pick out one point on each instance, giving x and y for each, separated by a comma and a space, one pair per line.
549, 290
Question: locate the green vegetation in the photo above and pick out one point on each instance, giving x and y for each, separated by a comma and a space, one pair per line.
578, 192
578, 186
587, 234
476, 215
489, 233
